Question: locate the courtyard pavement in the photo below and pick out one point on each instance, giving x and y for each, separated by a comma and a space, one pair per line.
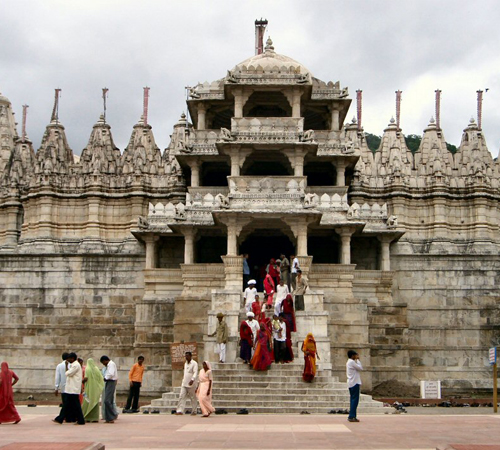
408, 431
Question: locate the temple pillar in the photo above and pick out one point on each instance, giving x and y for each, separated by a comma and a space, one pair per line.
345, 238
189, 235
299, 164
385, 252
335, 120
195, 172
235, 164
202, 115
340, 168
151, 241
296, 103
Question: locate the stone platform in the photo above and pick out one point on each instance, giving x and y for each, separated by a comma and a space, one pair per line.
278, 390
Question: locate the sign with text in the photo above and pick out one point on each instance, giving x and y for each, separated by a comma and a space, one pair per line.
178, 353
493, 355
430, 389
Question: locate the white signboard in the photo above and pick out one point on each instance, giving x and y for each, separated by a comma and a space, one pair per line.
430, 389
493, 355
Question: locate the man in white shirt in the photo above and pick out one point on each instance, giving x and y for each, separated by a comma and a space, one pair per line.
281, 292
353, 369
254, 326
295, 267
73, 389
60, 385
188, 386
249, 295
110, 380
280, 341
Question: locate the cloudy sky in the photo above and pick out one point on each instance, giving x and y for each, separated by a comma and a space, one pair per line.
378, 46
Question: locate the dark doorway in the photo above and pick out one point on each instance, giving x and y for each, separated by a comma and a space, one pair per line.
267, 104
261, 246
267, 164
323, 249
170, 252
215, 173
320, 173
365, 252
209, 249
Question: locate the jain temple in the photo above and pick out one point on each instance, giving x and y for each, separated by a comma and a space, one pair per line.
126, 252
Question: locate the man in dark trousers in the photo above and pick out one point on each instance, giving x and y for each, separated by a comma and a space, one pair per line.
135, 379
353, 369
73, 389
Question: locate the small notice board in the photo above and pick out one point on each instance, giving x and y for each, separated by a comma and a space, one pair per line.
430, 389
493, 355
178, 351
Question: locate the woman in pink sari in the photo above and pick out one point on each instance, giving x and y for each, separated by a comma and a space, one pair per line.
8, 412
204, 390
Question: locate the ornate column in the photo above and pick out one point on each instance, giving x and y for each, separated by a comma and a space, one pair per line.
189, 234
195, 172
202, 114
299, 163
150, 241
340, 167
335, 119
345, 251
385, 252
235, 163
296, 103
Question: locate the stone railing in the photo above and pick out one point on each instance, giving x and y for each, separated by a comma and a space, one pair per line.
330, 190
203, 270
266, 185
212, 190
268, 130
199, 142
367, 212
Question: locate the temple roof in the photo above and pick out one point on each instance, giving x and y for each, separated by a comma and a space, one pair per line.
270, 61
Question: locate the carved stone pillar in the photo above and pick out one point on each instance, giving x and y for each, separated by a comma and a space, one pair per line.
335, 119
385, 253
235, 164
296, 103
340, 167
150, 241
195, 172
238, 103
189, 235
345, 251
202, 114
299, 164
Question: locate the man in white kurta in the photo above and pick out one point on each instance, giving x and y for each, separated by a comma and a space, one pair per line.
281, 292
188, 386
254, 326
249, 295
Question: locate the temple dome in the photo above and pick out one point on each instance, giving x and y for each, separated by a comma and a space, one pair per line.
269, 61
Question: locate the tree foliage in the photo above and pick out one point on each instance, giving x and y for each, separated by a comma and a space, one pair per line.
412, 142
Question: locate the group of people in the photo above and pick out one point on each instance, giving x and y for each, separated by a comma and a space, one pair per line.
279, 280
82, 386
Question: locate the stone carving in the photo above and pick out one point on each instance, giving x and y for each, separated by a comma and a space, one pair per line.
311, 200
392, 222
308, 136
222, 201
225, 135
142, 222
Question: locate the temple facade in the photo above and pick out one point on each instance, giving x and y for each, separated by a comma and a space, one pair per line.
125, 253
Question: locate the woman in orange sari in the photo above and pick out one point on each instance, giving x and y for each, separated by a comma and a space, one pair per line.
269, 289
263, 356
8, 412
204, 390
310, 354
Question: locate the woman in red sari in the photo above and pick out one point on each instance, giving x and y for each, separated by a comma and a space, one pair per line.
289, 312
269, 289
258, 309
274, 271
8, 412
246, 342
310, 354
262, 358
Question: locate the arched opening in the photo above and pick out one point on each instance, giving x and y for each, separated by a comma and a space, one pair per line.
215, 173
365, 252
320, 173
262, 244
210, 246
267, 163
267, 104
323, 246
219, 116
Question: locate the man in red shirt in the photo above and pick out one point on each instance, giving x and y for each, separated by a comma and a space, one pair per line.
135, 378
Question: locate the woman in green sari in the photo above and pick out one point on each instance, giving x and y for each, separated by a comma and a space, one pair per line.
94, 384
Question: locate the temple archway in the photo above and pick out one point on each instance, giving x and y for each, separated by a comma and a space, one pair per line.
267, 163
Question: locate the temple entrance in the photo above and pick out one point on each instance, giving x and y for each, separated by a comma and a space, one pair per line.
262, 245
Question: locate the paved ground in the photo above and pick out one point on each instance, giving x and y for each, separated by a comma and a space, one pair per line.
289, 432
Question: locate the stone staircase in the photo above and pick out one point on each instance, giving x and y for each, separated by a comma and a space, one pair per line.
278, 390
